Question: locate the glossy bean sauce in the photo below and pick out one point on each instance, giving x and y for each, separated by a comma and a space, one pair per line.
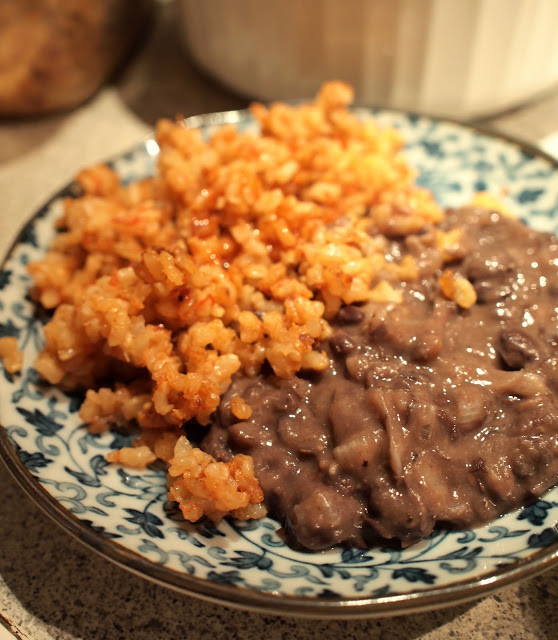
429, 414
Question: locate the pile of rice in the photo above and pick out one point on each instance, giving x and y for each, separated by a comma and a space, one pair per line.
234, 256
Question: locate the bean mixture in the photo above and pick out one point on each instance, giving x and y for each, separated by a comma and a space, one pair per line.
429, 414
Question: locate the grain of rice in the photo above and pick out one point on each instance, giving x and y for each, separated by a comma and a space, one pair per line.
10, 354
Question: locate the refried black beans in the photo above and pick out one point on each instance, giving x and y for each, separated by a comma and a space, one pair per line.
429, 413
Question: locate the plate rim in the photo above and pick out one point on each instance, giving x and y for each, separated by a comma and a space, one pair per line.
264, 602
238, 596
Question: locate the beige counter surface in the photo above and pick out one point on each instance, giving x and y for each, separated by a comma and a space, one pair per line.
53, 587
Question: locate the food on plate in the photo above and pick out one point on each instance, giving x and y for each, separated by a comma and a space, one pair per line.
431, 411
10, 354
360, 364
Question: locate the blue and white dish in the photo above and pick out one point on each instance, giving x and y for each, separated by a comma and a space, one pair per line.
124, 514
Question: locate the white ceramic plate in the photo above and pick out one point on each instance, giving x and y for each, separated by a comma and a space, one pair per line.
124, 514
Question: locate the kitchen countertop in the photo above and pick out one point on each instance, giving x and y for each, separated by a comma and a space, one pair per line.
53, 587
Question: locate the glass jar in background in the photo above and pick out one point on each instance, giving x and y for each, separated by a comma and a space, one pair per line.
55, 54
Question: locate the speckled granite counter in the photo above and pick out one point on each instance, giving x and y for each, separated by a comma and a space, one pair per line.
53, 587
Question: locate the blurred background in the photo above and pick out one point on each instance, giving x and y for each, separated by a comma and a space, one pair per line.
165, 58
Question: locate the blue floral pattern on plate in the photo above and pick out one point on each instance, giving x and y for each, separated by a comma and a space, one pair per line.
125, 514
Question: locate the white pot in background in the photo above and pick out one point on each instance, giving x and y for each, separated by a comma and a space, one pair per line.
459, 58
